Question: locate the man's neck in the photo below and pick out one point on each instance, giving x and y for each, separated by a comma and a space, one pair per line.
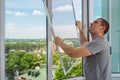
96, 36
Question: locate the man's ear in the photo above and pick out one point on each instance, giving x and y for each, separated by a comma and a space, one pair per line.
102, 28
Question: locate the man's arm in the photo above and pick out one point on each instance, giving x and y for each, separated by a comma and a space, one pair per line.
83, 39
71, 51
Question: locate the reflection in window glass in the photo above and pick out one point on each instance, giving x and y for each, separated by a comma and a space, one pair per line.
115, 78
97, 9
114, 33
64, 26
25, 40
115, 36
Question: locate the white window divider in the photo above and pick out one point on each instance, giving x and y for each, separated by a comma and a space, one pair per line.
2, 37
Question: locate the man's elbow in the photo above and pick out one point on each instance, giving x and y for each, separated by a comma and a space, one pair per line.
70, 52
74, 54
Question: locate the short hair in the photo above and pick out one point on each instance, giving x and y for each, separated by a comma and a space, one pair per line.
105, 24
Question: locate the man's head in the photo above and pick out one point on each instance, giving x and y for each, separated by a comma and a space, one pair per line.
99, 26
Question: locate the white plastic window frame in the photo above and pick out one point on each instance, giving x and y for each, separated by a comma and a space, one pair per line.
86, 13
114, 75
49, 41
2, 42
2, 37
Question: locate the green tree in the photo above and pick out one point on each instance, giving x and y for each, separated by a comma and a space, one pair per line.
75, 71
43, 58
29, 61
13, 63
20, 61
55, 59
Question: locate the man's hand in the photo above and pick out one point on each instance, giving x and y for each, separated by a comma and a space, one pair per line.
58, 40
79, 25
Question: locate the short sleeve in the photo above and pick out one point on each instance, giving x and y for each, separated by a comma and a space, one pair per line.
96, 46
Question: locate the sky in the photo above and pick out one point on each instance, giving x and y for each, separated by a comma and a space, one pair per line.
26, 19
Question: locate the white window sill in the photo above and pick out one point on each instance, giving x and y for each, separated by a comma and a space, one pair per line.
115, 75
75, 78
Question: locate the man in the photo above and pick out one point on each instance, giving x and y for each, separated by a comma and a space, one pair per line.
97, 52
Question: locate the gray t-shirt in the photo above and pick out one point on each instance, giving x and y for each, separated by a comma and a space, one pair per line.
98, 65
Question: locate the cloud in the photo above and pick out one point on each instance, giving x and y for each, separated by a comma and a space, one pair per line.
36, 12
67, 31
34, 32
17, 13
18, 32
64, 8
9, 12
10, 29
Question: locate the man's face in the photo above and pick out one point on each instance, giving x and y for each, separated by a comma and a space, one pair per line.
95, 27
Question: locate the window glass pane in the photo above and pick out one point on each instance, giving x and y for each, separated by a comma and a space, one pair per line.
113, 10
25, 40
115, 78
64, 26
115, 35
97, 9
